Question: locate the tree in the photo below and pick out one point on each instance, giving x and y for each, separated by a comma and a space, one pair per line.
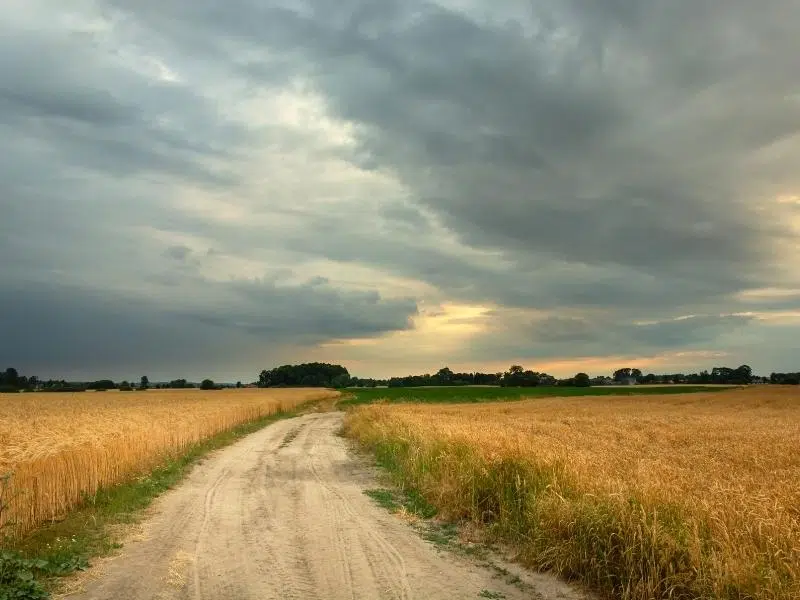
102, 384
144, 383
444, 376
340, 381
517, 376
239, 385
11, 377
622, 374
743, 374
207, 384
581, 380
306, 375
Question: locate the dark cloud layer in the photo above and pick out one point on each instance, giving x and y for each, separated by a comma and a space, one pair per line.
79, 330
609, 167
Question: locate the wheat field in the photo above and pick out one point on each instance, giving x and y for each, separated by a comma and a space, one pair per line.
688, 496
60, 447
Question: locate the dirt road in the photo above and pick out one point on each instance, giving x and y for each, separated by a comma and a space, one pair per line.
282, 514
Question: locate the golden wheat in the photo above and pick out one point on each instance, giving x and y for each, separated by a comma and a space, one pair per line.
690, 496
61, 447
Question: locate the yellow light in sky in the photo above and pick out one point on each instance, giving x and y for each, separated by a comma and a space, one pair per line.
447, 326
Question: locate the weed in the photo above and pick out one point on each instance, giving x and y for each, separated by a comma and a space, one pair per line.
384, 499
442, 535
491, 594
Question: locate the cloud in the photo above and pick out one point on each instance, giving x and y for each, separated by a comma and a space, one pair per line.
314, 171
178, 253
221, 330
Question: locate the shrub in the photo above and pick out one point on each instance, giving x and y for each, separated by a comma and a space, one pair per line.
18, 578
102, 385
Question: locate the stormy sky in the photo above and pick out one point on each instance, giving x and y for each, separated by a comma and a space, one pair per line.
193, 188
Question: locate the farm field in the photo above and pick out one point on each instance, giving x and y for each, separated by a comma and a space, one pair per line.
659, 496
356, 396
60, 448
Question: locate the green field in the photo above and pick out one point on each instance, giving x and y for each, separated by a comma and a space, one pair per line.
356, 396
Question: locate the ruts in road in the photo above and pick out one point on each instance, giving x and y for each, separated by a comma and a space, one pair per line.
282, 514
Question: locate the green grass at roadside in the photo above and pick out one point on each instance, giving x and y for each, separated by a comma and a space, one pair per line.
357, 396
93, 529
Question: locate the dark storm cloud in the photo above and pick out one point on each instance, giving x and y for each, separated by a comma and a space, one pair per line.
615, 160
605, 133
311, 312
580, 171
67, 330
72, 98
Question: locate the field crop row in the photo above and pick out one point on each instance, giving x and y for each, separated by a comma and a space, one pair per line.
681, 496
61, 448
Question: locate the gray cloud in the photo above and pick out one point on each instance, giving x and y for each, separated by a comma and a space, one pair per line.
608, 337
600, 149
223, 331
178, 253
611, 162
555, 338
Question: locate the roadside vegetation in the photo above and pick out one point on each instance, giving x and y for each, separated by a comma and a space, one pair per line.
63, 448
32, 554
651, 497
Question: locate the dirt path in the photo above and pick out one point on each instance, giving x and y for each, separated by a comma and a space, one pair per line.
282, 514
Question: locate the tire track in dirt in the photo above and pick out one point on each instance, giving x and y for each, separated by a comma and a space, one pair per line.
282, 514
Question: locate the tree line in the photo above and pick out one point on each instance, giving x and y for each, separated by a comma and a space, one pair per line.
337, 376
305, 375
12, 381
327, 375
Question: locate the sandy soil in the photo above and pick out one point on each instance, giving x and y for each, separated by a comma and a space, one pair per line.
282, 514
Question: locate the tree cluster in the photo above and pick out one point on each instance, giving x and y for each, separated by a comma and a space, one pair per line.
208, 384
445, 377
12, 381
785, 378
102, 385
368, 382
516, 376
741, 375
305, 375
177, 384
